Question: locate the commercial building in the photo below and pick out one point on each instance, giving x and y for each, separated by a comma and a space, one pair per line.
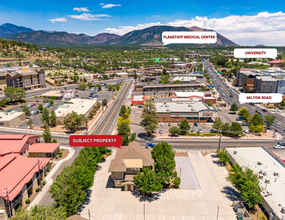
26, 78
23, 159
281, 86
88, 77
12, 118
183, 79
276, 63
128, 162
20, 176
138, 100
53, 94
265, 84
271, 171
167, 87
195, 111
79, 106
194, 96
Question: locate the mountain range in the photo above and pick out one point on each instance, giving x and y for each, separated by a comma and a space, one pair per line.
146, 37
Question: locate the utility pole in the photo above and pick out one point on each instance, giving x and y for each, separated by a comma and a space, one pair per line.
143, 211
89, 214
218, 212
220, 141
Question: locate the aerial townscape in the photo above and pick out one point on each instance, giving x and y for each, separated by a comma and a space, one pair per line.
115, 123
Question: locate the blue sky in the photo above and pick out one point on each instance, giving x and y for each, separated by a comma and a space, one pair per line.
248, 22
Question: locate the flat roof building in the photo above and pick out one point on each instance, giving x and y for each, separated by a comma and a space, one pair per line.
271, 171
191, 111
138, 100
12, 118
79, 106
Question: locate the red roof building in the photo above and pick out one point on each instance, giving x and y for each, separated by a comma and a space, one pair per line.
19, 177
17, 143
276, 63
44, 150
138, 100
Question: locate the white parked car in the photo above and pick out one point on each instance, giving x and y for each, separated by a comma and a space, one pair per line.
276, 110
219, 109
246, 131
277, 146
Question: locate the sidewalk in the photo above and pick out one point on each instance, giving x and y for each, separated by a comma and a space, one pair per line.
49, 178
279, 137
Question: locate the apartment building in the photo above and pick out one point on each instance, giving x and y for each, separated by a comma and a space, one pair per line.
27, 78
265, 84
281, 86
246, 80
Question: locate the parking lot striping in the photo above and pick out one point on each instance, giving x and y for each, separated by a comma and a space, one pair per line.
103, 217
184, 194
193, 194
114, 216
115, 108
175, 194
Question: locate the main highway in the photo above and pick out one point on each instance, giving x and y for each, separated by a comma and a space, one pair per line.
226, 90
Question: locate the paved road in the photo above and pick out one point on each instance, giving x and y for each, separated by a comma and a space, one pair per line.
224, 89
104, 127
110, 118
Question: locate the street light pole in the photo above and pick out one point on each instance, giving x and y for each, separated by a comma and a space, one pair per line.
220, 141
218, 212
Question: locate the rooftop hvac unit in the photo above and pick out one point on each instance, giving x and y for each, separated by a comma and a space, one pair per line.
192, 109
267, 180
260, 171
167, 109
164, 102
181, 102
0, 116
275, 173
259, 162
189, 105
264, 173
283, 210
235, 151
260, 176
269, 193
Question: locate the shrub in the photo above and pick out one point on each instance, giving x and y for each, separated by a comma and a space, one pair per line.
60, 155
43, 182
223, 156
45, 174
56, 157
37, 189
176, 182
27, 201
48, 170
60, 152
191, 134
175, 174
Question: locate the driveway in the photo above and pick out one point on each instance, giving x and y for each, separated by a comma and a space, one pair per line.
107, 203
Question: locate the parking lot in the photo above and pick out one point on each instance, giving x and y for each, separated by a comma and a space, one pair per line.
36, 118
108, 203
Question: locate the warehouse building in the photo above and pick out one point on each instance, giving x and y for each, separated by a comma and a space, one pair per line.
191, 111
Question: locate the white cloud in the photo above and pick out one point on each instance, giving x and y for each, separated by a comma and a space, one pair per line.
262, 28
82, 9
111, 5
125, 29
58, 20
89, 17
101, 4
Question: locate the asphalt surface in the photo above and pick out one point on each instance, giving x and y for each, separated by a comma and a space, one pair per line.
225, 89
110, 117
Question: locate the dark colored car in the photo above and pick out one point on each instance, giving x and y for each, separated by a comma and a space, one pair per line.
265, 110
140, 106
239, 119
196, 124
151, 145
231, 96
210, 120
245, 124
212, 131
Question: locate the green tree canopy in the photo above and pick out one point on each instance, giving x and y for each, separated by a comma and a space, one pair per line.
234, 107
52, 118
163, 155
45, 116
184, 127
26, 110
40, 212
40, 107
256, 120
147, 182
46, 134
174, 130
269, 120
82, 86
149, 117
70, 122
